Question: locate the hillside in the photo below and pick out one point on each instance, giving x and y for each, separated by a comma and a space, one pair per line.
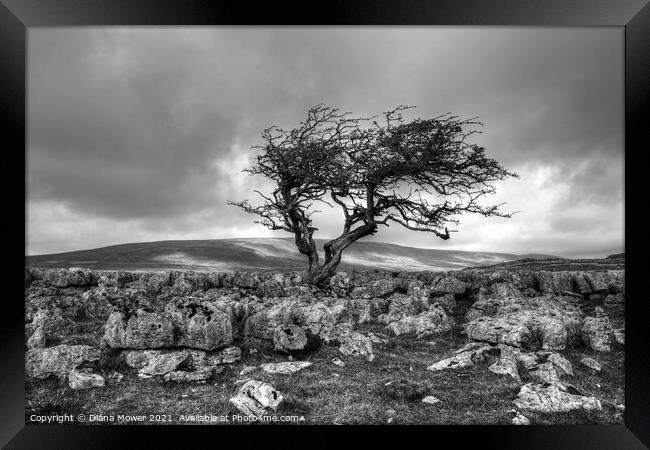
277, 254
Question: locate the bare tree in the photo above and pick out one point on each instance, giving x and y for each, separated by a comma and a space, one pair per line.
420, 174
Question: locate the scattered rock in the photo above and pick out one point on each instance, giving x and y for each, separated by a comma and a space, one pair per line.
85, 379
116, 377
188, 376
431, 400
506, 364
352, 343
338, 362
158, 363
520, 419
591, 363
464, 357
285, 368
554, 397
256, 398
561, 363
58, 360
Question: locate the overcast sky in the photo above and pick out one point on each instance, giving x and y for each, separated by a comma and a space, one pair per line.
140, 134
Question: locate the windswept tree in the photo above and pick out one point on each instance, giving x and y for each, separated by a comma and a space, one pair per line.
420, 174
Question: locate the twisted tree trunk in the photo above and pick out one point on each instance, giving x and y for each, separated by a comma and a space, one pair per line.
321, 273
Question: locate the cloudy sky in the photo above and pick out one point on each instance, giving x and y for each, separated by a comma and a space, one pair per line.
140, 134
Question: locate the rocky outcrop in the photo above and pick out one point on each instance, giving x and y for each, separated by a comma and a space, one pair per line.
199, 324
546, 321
432, 322
197, 363
597, 332
315, 317
143, 329
184, 323
58, 360
289, 338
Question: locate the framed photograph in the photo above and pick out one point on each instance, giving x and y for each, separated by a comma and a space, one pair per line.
406, 215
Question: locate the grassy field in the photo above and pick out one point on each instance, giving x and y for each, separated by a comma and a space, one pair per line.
387, 390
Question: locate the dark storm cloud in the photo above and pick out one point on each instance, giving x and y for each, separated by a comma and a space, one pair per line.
151, 127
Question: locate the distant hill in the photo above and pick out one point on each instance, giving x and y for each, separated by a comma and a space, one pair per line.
262, 254
612, 262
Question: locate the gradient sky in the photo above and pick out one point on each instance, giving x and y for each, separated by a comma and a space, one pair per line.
140, 134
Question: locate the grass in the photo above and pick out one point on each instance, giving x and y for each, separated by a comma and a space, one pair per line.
362, 392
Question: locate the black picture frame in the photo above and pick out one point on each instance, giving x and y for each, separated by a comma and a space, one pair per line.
18, 16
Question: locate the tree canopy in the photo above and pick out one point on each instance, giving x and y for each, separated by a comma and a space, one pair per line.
420, 174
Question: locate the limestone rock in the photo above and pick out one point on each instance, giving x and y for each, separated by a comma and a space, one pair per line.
431, 400
432, 322
544, 373
554, 397
591, 363
160, 363
256, 398
561, 363
597, 332
58, 360
378, 288
188, 376
338, 362
315, 317
619, 336
248, 369
116, 377
464, 357
37, 339
449, 285
352, 343
446, 301
85, 379
199, 324
556, 282
549, 321
285, 368
142, 330
289, 338
400, 305
520, 419
271, 288
506, 364
67, 278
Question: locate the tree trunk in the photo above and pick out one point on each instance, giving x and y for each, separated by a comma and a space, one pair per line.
319, 274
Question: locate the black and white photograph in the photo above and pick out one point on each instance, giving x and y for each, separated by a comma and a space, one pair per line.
329, 225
